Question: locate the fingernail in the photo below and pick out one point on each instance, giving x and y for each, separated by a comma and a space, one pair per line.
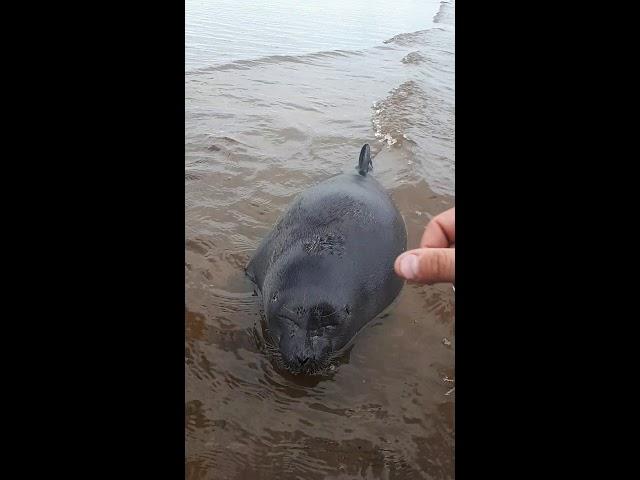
409, 266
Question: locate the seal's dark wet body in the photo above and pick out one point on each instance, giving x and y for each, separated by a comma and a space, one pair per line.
326, 268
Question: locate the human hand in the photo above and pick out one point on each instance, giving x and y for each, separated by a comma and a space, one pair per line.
435, 260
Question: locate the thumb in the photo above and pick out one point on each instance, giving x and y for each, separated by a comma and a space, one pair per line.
427, 265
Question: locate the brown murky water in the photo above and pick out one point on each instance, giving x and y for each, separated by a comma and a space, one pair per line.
257, 132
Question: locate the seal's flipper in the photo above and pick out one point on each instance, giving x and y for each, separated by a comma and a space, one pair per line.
365, 164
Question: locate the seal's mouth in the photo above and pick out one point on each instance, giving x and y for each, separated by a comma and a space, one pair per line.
308, 367
312, 366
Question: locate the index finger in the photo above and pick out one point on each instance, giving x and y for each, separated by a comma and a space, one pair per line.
441, 231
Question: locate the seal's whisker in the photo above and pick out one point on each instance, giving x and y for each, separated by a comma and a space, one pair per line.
329, 314
335, 312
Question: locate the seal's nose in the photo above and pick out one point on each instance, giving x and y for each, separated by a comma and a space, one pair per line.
302, 359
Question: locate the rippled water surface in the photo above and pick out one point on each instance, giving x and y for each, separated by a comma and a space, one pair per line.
279, 96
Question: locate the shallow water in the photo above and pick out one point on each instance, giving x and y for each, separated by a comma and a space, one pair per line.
278, 98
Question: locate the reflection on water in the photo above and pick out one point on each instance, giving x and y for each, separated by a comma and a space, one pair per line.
266, 116
220, 31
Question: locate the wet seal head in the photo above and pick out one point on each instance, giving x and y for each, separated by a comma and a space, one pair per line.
326, 269
308, 321
306, 338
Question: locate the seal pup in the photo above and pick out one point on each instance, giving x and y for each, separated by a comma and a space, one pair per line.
326, 268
